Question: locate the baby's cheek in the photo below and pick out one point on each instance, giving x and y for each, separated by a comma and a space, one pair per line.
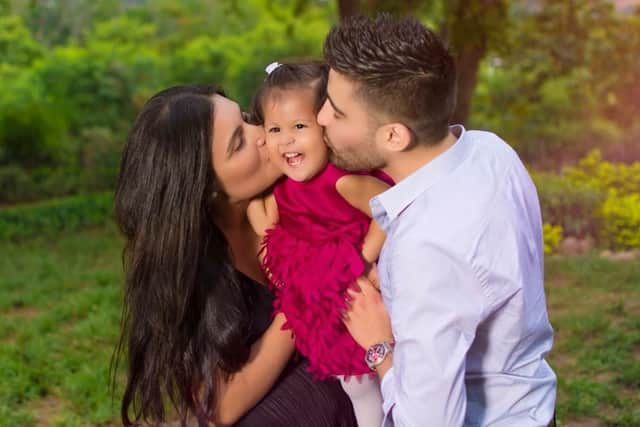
273, 153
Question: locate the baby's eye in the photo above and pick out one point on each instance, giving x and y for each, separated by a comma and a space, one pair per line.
300, 126
274, 130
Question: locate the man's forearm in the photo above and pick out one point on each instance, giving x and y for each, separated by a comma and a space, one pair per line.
384, 367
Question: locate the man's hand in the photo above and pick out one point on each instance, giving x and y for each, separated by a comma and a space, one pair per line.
366, 318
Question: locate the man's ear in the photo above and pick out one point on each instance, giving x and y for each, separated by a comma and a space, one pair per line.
394, 137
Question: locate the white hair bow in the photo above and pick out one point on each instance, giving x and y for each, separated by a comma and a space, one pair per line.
272, 67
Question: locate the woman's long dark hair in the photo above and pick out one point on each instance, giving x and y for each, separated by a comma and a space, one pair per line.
185, 316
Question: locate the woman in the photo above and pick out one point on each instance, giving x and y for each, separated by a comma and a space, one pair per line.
197, 318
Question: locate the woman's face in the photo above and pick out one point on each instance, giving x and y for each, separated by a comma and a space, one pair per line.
240, 158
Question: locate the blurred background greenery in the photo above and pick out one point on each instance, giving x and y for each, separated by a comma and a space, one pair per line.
557, 79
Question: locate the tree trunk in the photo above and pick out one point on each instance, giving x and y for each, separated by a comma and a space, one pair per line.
471, 26
467, 61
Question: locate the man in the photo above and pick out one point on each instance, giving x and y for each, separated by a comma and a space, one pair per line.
461, 272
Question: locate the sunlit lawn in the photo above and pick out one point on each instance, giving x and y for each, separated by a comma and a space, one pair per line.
60, 310
594, 306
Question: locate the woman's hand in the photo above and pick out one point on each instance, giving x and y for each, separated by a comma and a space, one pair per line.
269, 356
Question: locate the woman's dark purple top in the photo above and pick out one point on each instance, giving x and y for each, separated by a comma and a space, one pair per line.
295, 399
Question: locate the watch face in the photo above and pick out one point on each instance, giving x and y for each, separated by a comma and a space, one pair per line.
376, 353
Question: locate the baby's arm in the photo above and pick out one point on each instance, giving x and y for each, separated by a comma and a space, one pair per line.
358, 190
263, 214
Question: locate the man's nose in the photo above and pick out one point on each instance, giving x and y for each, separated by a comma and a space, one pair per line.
322, 114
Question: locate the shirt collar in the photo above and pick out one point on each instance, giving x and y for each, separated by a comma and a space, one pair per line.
389, 204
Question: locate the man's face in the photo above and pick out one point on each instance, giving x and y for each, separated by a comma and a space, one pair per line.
350, 130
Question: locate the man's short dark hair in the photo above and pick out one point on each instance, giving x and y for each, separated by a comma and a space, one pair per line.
403, 71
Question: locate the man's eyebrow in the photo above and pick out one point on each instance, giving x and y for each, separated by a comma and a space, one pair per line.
339, 111
232, 141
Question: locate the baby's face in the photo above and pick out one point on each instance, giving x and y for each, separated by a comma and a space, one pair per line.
294, 138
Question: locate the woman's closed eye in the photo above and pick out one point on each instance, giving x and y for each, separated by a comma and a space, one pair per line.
240, 141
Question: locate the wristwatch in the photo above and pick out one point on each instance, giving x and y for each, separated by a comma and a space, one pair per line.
377, 353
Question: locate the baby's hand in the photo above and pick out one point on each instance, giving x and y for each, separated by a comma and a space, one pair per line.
255, 204
372, 274
257, 215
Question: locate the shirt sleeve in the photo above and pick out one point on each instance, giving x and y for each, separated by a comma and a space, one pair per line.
437, 303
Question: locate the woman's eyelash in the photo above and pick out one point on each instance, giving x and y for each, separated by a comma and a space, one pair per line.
242, 141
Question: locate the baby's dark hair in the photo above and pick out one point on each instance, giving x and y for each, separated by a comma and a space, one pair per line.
313, 75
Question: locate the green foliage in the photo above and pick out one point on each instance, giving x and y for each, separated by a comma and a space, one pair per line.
32, 130
17, 46
621, 218
594, 198
599, 174
70, 104
55, 216
571, 205
15, 184
562, 79
552, 236
100, 153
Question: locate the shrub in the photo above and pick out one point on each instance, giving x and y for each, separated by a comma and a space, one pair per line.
552, 235
573, 206
32, 130
15, 184
621, 217
54, 216
599, 174
100, 158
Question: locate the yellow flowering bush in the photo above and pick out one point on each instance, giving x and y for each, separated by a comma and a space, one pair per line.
552, 235
621, 219
602, 175
595, 198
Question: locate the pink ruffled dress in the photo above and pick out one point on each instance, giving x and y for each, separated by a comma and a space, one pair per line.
313, 256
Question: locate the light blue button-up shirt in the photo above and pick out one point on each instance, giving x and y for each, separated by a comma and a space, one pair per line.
461, 275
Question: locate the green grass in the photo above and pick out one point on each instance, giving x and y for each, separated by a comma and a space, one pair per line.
594, 305
60, 308
60, 301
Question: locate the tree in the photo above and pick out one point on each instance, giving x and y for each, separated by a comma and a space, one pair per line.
563, 79
472, 27
17, 45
